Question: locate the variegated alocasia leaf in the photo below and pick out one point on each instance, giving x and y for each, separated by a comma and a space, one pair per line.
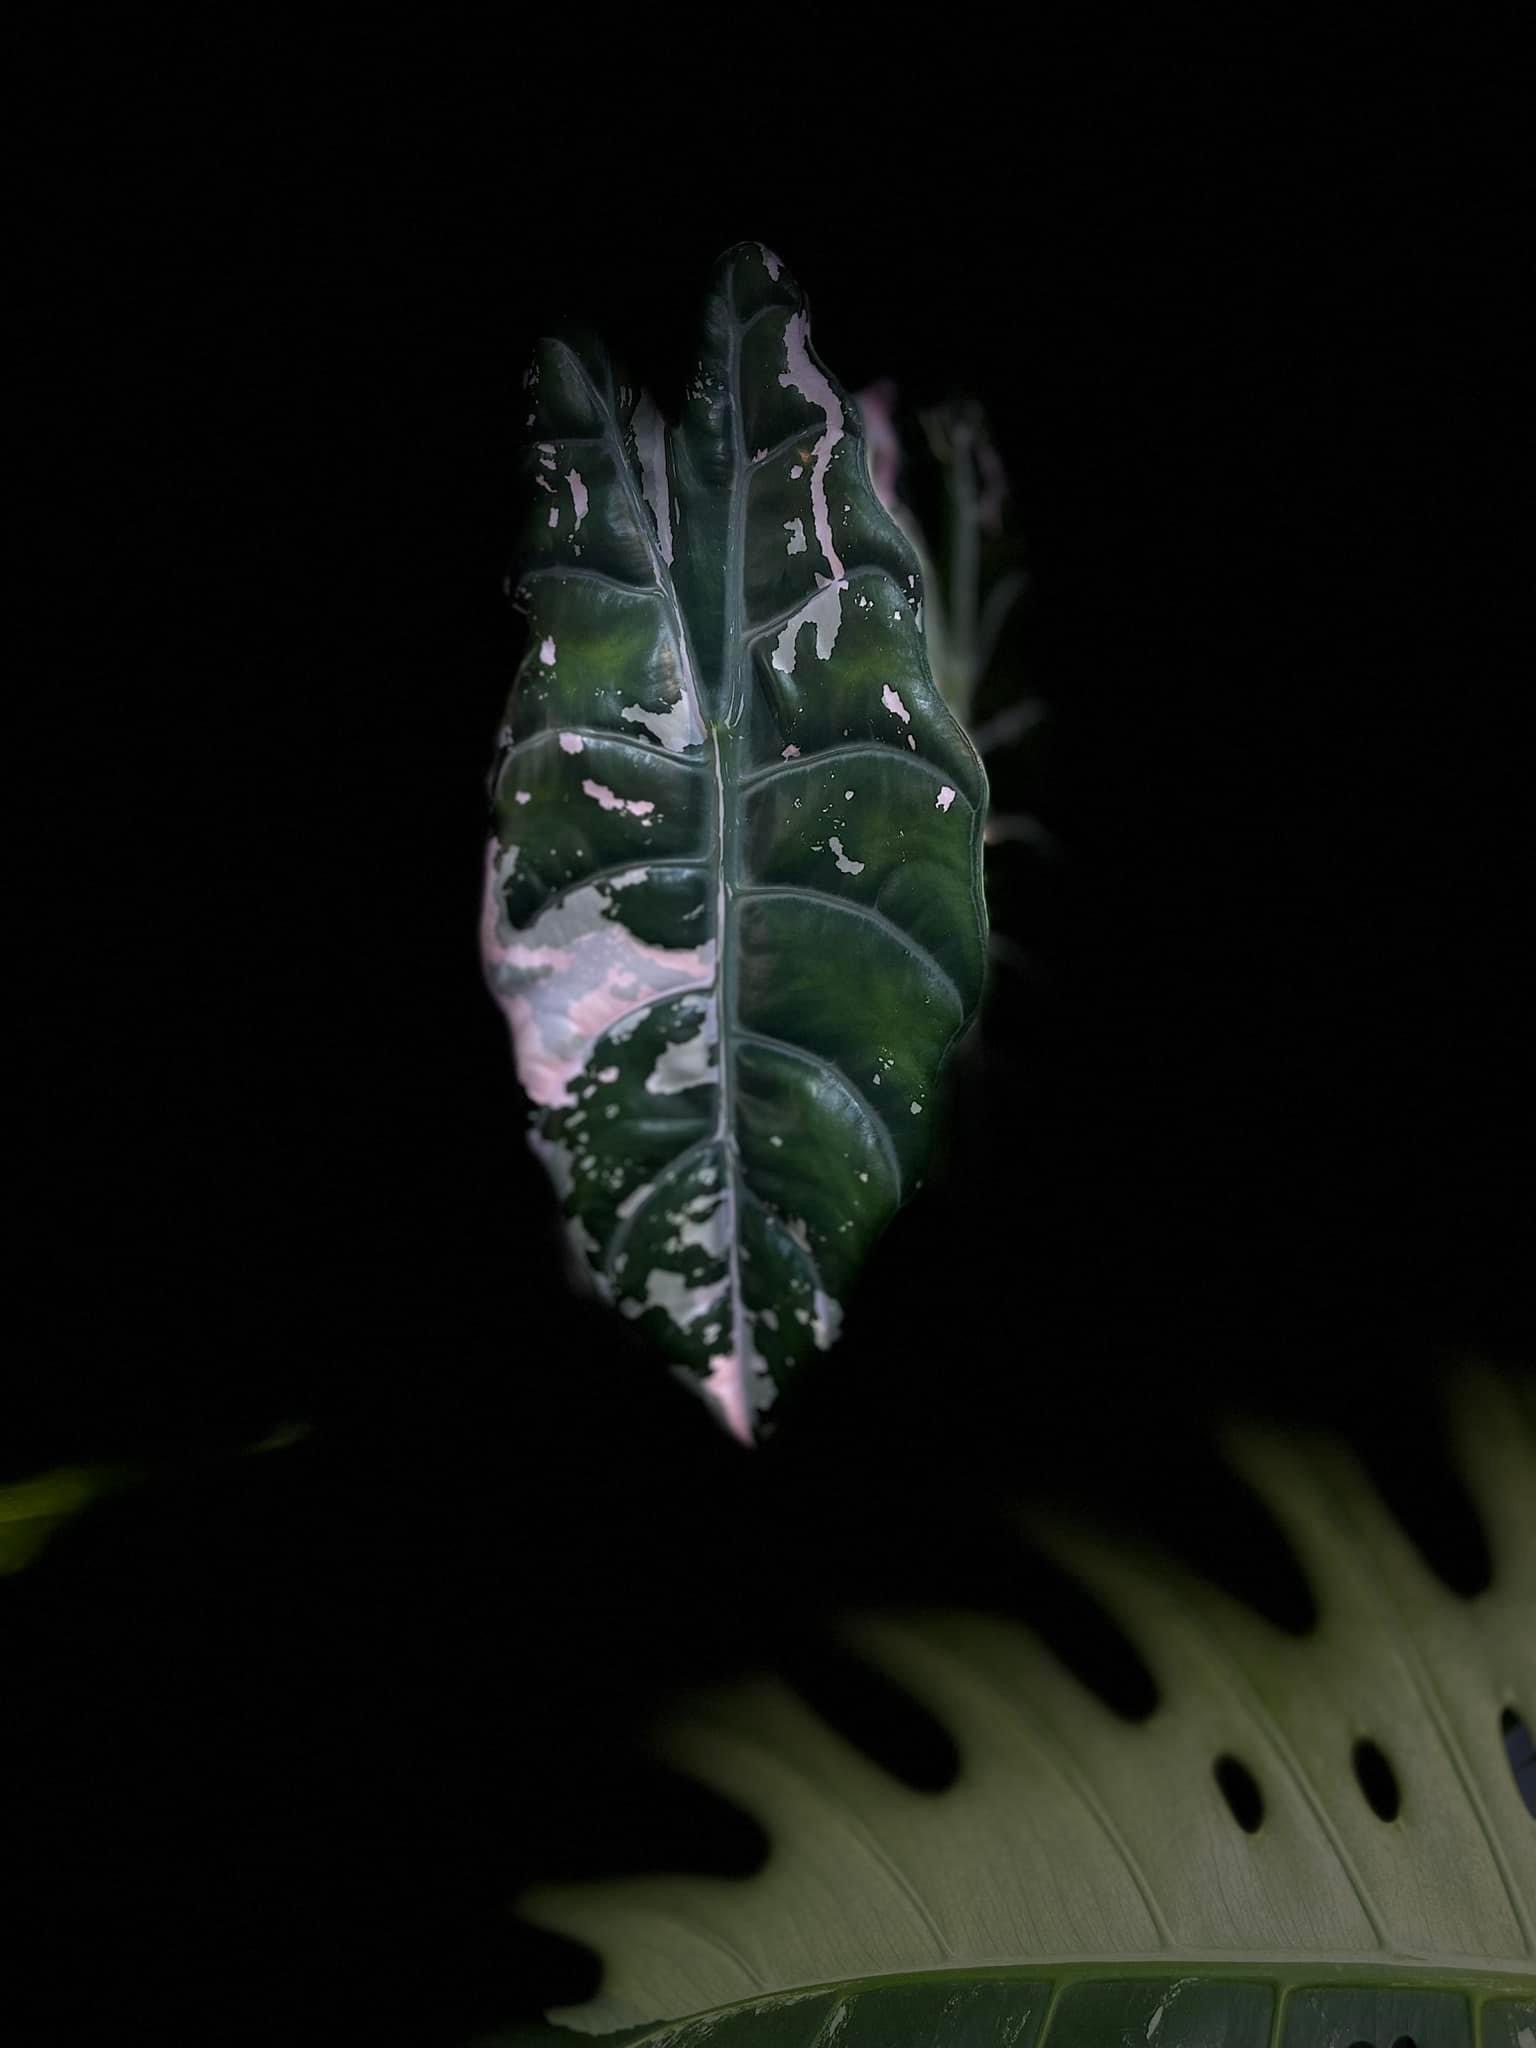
733, 906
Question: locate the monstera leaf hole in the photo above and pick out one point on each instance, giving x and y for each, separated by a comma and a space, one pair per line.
644, 1816
872, 1712
1240, 1790
1377, 1779
1406, 1455
1208, 1516
1522, 1756
1081, 1632
637, 1815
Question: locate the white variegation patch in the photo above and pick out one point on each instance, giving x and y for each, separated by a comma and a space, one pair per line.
574, 976
726, 1385
802, 375
685, 1302
826, 1320
691, 1063
602, 795
651, 447
677, 727
701, 1223
824, 611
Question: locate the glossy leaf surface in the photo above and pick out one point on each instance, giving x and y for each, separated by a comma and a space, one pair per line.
733, 906
1266, 2006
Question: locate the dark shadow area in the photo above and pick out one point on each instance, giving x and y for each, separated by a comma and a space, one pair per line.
1377, 1779
1522, 1756
872, 1712
1094, 1648
1403, 1448
1240, 1790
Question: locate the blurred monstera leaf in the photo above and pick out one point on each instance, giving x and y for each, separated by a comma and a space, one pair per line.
945, 460
733, 908
973, 573
1314, 1841
35, 1509
887, 459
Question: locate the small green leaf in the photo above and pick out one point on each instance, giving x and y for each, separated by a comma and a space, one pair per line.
733, 906
34, 1510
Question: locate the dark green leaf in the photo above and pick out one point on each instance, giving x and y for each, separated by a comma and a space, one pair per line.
1203, 2006
733, 906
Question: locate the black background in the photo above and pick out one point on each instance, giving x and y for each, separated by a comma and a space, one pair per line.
1243, 1129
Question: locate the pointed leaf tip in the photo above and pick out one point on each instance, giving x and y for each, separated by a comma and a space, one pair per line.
749, 277
756, 253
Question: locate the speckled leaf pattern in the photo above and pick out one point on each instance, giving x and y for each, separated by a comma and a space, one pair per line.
1084, 1847
733, 906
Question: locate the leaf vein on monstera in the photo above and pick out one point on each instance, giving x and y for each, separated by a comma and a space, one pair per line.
733, 907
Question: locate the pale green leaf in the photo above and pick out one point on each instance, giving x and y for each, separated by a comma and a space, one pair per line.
1086, 1850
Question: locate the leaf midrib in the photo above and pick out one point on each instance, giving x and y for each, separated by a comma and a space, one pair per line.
729, 827
730, 785
666, 584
